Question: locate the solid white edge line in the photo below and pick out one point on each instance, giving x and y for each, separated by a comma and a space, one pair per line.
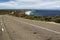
39, 27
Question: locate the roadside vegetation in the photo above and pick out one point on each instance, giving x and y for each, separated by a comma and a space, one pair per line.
40, 18
21, 13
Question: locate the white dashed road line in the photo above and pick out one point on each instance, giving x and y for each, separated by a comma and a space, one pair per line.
1, 23
1, 26
2, 29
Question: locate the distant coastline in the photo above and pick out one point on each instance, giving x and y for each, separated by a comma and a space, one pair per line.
44, 12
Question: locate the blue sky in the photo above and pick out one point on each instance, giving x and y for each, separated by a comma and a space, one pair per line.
4, 0
30, 4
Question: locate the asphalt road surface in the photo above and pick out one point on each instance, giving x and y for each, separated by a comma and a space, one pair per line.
14, 28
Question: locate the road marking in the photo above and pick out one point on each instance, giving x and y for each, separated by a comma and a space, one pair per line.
2, 29
38, 26
1, 23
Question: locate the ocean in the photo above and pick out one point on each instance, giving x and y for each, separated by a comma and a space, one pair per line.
45, 12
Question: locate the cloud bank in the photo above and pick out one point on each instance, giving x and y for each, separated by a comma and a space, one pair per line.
30, 4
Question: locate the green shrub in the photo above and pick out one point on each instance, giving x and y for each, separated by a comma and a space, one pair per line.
48, 19
57, 20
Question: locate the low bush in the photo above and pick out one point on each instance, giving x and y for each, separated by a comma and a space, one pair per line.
57, 20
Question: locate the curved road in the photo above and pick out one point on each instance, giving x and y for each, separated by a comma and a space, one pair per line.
15, 28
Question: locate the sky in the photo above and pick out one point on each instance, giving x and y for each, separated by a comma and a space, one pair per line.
30, 4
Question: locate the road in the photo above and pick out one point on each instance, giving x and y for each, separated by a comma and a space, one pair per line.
14, 28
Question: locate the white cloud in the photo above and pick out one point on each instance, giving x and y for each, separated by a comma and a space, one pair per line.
30, 4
